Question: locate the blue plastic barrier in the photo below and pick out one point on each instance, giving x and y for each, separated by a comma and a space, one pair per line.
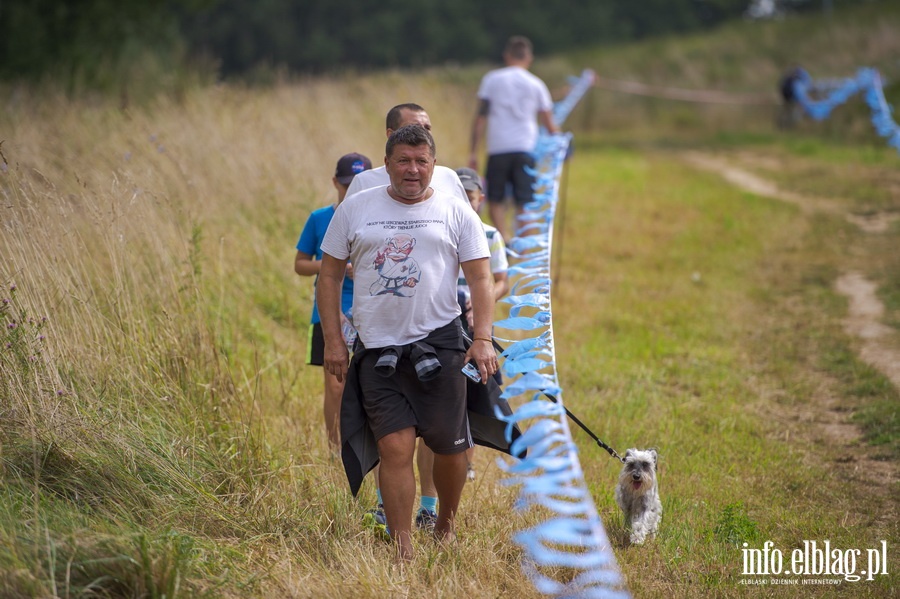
550, 478
833, 93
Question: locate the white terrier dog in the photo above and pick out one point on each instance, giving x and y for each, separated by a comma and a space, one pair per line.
638, 495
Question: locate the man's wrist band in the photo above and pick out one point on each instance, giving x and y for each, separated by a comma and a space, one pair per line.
488, 339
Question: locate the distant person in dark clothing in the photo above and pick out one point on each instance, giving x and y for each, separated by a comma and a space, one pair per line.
790, 109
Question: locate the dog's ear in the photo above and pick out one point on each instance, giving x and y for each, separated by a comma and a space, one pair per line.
628, 453
653, 453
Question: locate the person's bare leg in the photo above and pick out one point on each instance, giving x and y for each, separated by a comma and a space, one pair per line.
497, 210
398, 486
425, 462
449, 478
332, 409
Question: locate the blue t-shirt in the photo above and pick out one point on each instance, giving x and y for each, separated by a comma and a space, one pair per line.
311, 243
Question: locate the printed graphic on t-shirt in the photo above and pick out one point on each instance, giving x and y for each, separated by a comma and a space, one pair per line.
398, 273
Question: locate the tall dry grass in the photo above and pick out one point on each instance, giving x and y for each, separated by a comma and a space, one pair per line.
162, 413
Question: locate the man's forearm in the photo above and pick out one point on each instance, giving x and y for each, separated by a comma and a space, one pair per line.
481, 286
482, 291
549, 122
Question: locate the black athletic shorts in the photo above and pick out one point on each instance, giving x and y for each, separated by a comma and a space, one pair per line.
436, 408
509, 169
315, 346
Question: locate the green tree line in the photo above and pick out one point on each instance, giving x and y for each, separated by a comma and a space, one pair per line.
98, 41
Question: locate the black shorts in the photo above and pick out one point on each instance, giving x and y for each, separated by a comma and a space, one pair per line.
315, 346
436, 408
509, 169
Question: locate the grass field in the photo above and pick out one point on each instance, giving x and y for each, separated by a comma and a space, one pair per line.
160, 435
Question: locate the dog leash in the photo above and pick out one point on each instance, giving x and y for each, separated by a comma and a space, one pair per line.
574, 418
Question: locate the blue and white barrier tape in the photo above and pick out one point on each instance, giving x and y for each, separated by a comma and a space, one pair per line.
550, 477
867, 82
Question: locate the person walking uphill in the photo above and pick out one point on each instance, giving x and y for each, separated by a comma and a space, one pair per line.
306, 264
407, 241
511, 100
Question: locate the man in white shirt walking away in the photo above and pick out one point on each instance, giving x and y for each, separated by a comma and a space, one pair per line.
511, 102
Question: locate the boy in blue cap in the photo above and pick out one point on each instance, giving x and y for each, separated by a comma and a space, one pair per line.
307, 263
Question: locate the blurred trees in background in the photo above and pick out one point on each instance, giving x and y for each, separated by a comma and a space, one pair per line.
98, 43
88, 42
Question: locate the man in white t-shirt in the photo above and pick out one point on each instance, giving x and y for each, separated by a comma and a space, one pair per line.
446, 180
410, 351
511, 101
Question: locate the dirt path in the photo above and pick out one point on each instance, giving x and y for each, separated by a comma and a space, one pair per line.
874, 223
865, 310
863, 322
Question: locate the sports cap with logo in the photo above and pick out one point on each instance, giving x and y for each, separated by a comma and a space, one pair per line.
349, 166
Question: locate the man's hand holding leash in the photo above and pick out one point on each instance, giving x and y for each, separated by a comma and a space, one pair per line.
481, 285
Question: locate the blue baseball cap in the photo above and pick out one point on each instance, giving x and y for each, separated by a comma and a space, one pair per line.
349, 166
